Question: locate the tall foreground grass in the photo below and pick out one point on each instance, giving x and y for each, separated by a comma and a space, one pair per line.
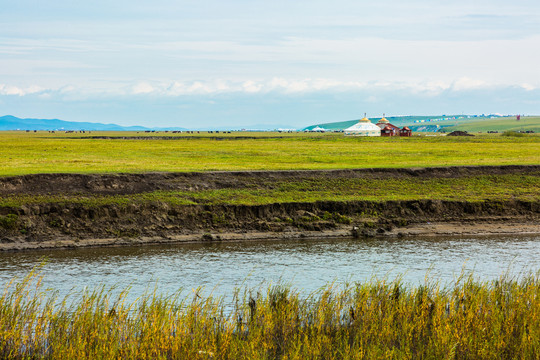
378, 319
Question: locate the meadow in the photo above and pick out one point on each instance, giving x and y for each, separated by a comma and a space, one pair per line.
468, 319
529, 123
42, 152
264, 190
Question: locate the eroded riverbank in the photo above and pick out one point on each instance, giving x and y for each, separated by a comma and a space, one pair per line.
72, 210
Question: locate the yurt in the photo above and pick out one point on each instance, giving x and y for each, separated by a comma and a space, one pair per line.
383, 124
364, 128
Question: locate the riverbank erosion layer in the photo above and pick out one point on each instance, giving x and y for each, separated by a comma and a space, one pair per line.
71, 210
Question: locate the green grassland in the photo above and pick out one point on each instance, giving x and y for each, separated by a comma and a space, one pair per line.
267, 191
496, 124
379, 319
42, 152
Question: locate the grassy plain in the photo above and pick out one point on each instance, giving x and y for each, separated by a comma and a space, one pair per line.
42, 152
373, 320
267, 191
497, 124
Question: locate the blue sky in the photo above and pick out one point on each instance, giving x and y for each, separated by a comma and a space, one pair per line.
285, 63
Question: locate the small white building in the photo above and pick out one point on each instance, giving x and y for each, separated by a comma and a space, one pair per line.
363, 128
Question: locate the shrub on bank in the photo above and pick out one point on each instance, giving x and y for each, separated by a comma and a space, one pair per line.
9, 221
378, 319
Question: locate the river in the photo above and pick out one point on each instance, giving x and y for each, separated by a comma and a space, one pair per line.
307, 264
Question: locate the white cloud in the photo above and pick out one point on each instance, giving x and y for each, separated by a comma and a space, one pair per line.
174, 88
528, 87
251, 86
20, 91
143, 88
466, 83
199, 87
67, 89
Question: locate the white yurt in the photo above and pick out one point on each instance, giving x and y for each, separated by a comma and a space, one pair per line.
364, 128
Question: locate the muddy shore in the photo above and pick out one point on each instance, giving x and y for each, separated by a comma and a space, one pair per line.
68, 225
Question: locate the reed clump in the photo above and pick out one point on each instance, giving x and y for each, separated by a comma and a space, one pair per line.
372, 320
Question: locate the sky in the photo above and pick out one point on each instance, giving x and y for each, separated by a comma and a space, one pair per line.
240, 63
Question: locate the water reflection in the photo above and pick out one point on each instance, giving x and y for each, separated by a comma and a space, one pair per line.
305, 264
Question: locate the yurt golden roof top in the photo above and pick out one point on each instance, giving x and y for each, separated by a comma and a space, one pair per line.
364, 119
383, 120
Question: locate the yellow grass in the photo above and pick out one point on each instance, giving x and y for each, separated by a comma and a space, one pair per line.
378, 319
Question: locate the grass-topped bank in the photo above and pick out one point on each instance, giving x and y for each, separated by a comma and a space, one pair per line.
379, 319
263, 190
43, 208
42, 152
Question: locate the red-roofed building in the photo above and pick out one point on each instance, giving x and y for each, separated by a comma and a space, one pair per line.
387, 129
405, 131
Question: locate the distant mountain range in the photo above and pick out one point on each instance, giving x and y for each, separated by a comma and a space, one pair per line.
9, 122
415, 123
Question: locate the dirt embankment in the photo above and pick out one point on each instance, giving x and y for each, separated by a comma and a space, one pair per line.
75, 224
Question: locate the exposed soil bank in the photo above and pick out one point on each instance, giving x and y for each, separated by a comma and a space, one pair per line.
75, 224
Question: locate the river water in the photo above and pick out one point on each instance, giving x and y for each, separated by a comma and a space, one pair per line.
307, 265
